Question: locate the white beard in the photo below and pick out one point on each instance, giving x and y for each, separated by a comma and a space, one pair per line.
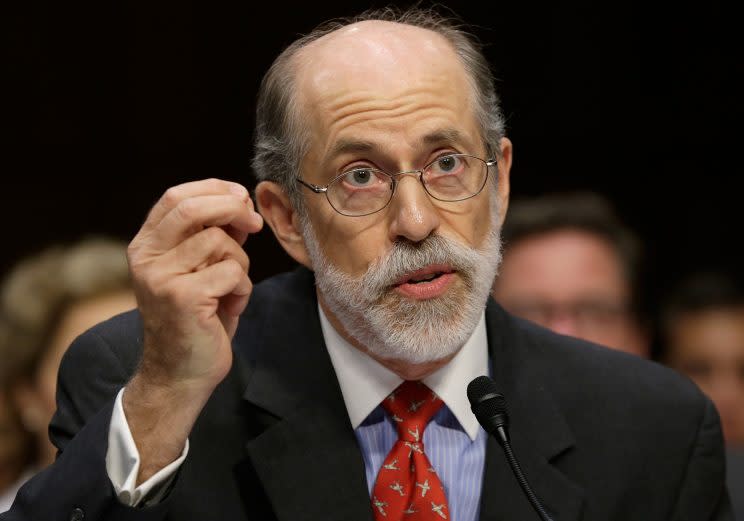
391, 326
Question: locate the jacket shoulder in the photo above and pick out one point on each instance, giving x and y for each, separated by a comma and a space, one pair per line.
601, 388
602, 369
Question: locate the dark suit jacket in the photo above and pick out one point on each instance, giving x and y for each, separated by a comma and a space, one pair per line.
601, 435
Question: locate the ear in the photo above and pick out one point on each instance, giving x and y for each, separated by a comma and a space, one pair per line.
505, 163
277, 211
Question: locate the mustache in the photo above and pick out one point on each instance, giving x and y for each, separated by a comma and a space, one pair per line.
406, 256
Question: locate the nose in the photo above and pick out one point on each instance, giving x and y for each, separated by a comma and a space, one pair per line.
413, 215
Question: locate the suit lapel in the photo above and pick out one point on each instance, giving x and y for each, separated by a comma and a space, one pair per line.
310, 468
539, 432
307, 459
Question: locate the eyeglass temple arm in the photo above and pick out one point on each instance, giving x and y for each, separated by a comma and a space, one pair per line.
315, 188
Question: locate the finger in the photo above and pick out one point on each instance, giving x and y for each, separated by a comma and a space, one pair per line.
233, 305
207, 247
241, 236
174, 195
192, 215
229, 311
220, 279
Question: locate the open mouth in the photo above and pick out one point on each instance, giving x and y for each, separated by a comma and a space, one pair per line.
423, 275
424, 278
427, 283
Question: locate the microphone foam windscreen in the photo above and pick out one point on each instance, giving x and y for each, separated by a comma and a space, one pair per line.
481, 387
485, 399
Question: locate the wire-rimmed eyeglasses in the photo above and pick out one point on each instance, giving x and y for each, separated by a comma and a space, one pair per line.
364, 190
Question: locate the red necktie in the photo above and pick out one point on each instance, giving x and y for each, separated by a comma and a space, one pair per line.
407, 487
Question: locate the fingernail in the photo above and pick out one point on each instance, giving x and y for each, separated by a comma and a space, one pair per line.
257, 217
238, 190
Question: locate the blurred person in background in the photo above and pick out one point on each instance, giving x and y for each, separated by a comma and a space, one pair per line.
702, 336
572, 266
16, 452
46, 301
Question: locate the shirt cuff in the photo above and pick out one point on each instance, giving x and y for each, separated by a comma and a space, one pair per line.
123, 462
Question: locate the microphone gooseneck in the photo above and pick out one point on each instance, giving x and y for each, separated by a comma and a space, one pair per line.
489, 407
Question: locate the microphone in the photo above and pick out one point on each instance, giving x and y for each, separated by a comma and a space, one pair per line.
489, 407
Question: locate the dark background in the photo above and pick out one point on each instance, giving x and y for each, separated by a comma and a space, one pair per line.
108, 104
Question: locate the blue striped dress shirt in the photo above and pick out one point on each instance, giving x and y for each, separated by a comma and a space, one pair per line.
453, 441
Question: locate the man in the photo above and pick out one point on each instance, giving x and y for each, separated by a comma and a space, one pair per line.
571, 265
703, 337
702, 330
342, 394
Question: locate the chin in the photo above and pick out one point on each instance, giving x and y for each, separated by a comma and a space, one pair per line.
419, 331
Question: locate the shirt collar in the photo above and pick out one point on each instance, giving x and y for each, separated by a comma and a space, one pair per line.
365, 382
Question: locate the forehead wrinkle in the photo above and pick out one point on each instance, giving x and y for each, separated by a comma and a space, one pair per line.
439, 136
388, 118
336, 147
343, 103
380, 112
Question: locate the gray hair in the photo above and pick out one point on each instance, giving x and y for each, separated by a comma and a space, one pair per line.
281, 140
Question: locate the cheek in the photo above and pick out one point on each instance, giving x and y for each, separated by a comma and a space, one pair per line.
351, 244
355, 254
469, 222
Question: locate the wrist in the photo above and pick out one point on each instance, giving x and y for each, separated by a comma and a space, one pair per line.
160, 418
145, 393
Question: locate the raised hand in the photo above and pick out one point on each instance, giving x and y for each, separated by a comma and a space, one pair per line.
190, 276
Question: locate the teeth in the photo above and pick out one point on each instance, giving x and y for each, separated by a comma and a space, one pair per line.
426, 278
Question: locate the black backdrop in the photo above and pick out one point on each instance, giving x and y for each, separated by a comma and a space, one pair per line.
111, 103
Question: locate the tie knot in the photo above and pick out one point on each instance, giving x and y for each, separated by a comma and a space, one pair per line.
411, 406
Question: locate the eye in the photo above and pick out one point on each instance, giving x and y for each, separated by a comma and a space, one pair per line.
447, 165
360, 177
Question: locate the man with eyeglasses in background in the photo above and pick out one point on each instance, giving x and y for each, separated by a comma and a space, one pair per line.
572, 266
338, 391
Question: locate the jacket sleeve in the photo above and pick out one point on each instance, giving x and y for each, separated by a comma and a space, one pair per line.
703, 494
77, 485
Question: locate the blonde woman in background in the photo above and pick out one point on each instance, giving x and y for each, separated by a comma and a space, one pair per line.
45, 302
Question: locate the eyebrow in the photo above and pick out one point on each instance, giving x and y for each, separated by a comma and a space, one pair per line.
344, 146
449, 136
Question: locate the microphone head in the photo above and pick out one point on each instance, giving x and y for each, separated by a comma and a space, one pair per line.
488, 405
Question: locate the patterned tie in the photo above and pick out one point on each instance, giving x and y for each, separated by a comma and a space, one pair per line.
407, 487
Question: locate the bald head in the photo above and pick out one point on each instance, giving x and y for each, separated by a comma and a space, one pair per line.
376, 54
382, 50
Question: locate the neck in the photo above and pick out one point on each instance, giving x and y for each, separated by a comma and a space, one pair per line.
403, 368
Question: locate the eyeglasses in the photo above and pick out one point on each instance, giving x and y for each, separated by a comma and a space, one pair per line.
364, 191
